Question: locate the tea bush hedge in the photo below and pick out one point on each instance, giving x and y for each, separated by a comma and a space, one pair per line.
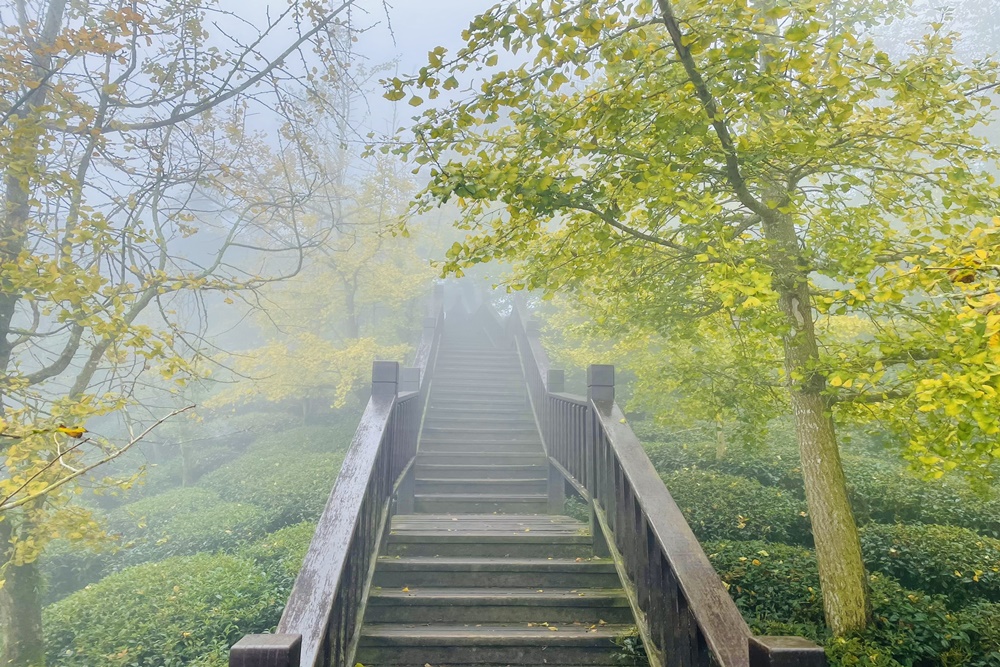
291, 489
180, 611
718, 506
955, 562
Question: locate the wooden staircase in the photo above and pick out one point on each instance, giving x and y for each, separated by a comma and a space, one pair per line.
480, 574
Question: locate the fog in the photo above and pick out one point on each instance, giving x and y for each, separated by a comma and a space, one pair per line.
452, 333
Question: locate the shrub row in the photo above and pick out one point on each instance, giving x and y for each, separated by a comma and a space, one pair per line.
180, 611
289, 488
955, 562
176, 523
880, 492
776, 588
185, 610
718, 506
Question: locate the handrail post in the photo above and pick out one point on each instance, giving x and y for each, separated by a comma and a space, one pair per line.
266, 651
555, 383
600, 387
437, 299
385, 378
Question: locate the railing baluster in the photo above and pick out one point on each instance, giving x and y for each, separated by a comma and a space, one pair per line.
322, 617
689, 619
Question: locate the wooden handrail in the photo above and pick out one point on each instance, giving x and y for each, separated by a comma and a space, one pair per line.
682, 609
321, 622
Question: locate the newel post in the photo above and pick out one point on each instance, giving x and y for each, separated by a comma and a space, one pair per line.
386, 381
385, 378
266, 651
600, 388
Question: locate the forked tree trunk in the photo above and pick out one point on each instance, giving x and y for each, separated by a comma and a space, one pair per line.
838, 547
20, 610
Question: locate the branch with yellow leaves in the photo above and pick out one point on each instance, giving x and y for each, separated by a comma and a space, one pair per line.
10, 503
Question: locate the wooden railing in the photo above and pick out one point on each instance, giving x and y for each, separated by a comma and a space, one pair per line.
683, 612
322, 619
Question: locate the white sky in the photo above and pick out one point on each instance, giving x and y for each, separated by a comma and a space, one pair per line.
418, 27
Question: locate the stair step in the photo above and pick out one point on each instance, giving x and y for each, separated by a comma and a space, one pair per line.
477, 523
464, 372
520, 420
453, 362
537, 485
497, 605
449, 370
451, 394
485, 446
471, 408
494, 644
482, 458
489, 545
437, 434
475, 503
489, 471
533, 573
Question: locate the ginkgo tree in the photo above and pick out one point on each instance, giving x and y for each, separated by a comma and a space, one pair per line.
758, 157
360, 297
149, 154
684, 382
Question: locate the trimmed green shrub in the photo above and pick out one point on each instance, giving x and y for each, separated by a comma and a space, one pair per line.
281, 553
68, 566
776, 588
176, 523
770, 582
883, 494
166, 614
726, 507
326, 439
183, 522
858, 652
291, 488
916, 628
770, 467
956, 562
575, 507
630, 651
982, 622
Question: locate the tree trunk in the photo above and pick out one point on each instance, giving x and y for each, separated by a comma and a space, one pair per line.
20, 610
720, 439
838, 547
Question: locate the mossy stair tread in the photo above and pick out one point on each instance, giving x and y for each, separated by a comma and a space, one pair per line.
500, 596
445, 564
506, 634
497, 525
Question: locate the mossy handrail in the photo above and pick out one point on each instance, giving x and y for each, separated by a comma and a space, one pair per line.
682, 609
321, 622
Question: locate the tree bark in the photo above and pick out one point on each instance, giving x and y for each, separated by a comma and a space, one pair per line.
20, 609
838, 547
